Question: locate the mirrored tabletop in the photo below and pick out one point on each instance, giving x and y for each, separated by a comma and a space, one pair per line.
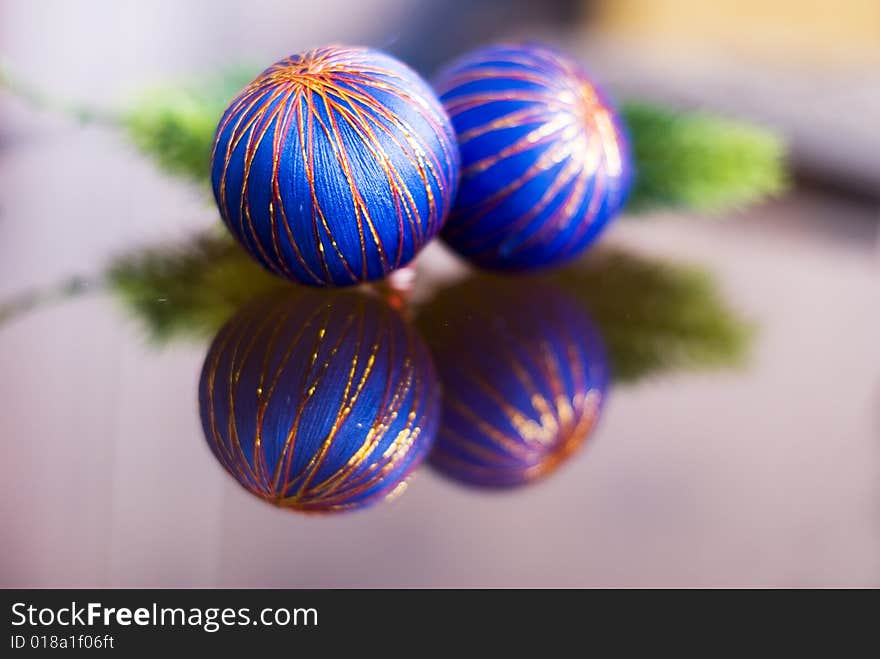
693, 403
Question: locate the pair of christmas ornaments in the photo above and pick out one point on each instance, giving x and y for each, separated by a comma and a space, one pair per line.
336, 166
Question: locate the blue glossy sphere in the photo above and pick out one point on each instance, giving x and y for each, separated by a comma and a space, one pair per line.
545, 160
319, 402
524, 377
335, 166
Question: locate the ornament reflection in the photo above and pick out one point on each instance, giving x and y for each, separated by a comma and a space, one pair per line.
319, 401
524, 374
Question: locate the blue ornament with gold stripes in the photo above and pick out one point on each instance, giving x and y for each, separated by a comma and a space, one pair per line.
545, 159
524, 376
319, 401
335, 166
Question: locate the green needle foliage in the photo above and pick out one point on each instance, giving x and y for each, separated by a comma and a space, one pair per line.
657, 316
687, 160
696, 161
175, 125
654, 316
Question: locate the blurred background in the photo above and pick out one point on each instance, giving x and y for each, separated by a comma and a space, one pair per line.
769, 475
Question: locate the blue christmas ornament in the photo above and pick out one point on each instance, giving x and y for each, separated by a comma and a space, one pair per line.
524, 377
545, 160
319, 402
335, 166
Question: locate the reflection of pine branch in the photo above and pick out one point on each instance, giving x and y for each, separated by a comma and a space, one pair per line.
654, 316
189, 289
43, 297
696, 161
657, 316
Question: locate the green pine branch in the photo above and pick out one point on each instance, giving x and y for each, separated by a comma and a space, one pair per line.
700, 162
175, 125
688, 160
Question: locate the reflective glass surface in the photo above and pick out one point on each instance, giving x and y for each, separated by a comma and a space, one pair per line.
694, 403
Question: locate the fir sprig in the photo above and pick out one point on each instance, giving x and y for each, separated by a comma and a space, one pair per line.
175, 125
700, 162
688, 160
655, 317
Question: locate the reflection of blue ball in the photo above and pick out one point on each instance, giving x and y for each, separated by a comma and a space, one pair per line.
335, 166
545, 160
524, 377
319, 401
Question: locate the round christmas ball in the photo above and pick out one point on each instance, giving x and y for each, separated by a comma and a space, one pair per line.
545, 159
524, 376
335, 166
319, 401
